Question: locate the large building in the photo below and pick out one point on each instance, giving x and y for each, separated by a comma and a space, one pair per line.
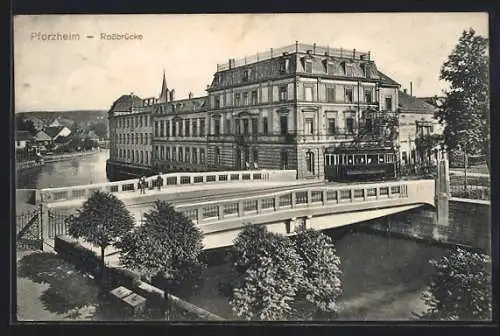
321, 111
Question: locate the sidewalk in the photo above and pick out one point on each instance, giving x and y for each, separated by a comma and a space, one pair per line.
175, 192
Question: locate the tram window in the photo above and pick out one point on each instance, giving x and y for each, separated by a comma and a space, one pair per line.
358, 159
349, 159
372, 158
381, 158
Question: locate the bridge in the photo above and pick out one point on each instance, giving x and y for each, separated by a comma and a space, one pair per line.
222, 203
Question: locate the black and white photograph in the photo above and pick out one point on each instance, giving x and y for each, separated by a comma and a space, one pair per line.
252, 167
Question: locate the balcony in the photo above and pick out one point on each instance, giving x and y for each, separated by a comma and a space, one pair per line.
242, 139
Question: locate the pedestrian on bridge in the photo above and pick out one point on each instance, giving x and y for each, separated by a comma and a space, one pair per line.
159, 182
142, 184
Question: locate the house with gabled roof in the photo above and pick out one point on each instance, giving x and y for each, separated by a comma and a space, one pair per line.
56, 132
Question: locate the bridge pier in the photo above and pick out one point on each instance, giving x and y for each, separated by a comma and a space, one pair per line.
442, 199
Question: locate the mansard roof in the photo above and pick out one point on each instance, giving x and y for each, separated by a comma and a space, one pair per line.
125, 102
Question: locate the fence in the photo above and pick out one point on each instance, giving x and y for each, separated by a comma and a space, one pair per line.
177, 179
473, 187
29, 231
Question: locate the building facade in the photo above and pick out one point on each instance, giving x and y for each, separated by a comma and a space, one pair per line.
314, 109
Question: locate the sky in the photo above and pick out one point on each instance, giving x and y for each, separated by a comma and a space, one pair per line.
93, 73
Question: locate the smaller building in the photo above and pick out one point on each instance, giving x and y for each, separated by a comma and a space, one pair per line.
56, 132
22, 139
41, 140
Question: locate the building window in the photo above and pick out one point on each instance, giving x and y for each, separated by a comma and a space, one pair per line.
368, 125
167, 128
187, 126
284, 65
404, 157
245, 98
363, 69
348, 95
246, 131
140, 122
349, 125
246, 75
167, 153
331, 126
195, 128
310, 162
174, 129
202, 155
330, 95
237, 126
283, 93
283, 125
308, 93
254, 97
216, 126
255, 155
217, 101
142, 157
343, 66
217, 156
179, 127
254, 126
156, 129
309, 66
202, 127
329, 68
227, 126
147, 158
284, 159
181, 154
187, 155
388, 103
195, 155
309, 127
142, 140
265, 125
368, 96
237, 99
174, 154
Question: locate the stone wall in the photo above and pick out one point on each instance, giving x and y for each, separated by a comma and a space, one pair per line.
469, 224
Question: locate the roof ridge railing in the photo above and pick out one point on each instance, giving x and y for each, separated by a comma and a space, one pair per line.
297, 47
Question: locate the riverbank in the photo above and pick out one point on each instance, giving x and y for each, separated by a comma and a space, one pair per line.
25, 165
63, 157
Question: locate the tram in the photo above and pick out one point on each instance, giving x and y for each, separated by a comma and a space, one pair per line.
370, 164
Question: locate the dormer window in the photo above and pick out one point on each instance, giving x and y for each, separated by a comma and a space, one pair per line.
363, 69
284, 65
343, 66
246, 75
308, 66
329, 68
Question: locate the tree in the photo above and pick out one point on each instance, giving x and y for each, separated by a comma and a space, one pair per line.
465, 111
460, 288
425, 144
166, 248
272, 275
102, 219
322, 273
100, 129
25, 125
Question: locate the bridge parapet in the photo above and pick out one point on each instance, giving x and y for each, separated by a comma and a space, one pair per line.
171, 179
354, 197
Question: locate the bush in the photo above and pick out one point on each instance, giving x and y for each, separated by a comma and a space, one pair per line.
460, 288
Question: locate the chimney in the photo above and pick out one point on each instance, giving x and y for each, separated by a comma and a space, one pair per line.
172, 95
190, 95
411, 88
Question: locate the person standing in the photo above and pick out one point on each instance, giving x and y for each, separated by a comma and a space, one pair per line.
159, 182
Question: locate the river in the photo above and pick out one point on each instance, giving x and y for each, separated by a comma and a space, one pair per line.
383, 277
78, 171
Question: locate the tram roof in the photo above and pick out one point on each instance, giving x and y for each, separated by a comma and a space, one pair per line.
365, 150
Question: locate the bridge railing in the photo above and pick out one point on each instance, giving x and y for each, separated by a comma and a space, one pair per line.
171, 179
420, 191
